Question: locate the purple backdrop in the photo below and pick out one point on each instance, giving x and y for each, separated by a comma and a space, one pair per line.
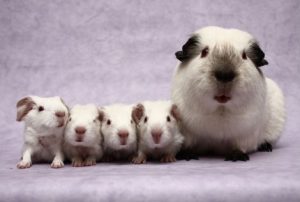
123, 51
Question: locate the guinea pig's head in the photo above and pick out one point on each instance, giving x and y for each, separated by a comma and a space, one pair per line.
157, 122
83, 127
43, 114
219, 66
118, 128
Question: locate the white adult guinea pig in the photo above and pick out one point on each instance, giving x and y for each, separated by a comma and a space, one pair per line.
119, 132
45, 120
159, 135
82, 136
226, 103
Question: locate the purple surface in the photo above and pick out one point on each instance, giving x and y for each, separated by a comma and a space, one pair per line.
123, 51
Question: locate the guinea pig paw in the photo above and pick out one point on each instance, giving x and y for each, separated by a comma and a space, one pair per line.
237, 155
265, 147
90, 162
57, 164
24, 164
107, 159
168, 158
139, 160
77, 163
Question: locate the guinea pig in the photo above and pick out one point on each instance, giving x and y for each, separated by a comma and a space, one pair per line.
83, 141
158, 131
226, 103
45, 119
119, 132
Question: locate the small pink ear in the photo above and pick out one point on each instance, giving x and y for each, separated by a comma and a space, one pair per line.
23, 107
138, 113
175, 112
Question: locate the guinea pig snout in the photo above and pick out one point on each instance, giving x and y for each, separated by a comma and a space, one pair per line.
60, 114
156, 135
224, 76
80, 131
123, 134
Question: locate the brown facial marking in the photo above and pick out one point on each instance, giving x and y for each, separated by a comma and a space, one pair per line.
175, 112
23, 107
137, 113
101, 115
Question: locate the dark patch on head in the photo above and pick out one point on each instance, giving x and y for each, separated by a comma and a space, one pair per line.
101, 115
225, 60
257, 56
189, 50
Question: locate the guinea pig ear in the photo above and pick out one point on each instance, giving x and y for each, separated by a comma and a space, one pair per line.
23, 107
189, 50
175, 112
255, 54
137, 113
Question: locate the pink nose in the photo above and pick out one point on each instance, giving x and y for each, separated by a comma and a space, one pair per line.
123, 134
156, 135
60, 114
80, 130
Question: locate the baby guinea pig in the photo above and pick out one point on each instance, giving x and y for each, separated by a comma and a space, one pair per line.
82, 136
158, 130
45, 119
119, 132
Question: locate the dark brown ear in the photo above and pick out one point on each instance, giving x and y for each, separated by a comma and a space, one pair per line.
189, 50
175, 112
137, 113
256, 54
101, 115
23, 107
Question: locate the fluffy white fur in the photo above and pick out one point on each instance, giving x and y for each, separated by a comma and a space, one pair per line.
254, 114
117, 118
43, 133
155, 117
89, 150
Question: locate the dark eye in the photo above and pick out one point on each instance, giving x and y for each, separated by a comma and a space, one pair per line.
244, 56
131, 121
41, 108
204, 52
108, 122
70, 119
168, 118
146, 119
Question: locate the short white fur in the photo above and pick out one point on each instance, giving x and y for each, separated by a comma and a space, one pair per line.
255, 113
89, 150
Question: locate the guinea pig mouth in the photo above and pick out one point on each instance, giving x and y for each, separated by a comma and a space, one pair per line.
222, 98
79, 139
123, 141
